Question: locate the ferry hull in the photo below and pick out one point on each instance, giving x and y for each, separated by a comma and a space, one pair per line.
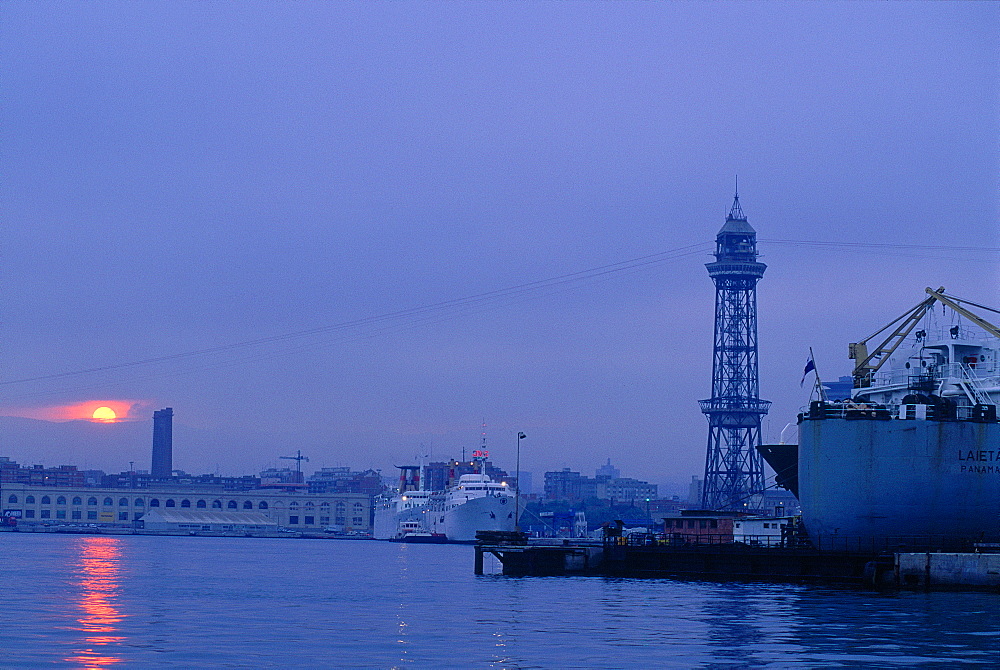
885, 480
461, 523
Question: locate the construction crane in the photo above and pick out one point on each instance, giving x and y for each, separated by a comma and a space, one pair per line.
298, 458
869, 363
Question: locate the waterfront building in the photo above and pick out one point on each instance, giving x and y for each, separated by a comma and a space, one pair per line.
762, 531
123, 507
700, 527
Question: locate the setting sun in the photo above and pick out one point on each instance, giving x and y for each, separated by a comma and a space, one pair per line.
104, 414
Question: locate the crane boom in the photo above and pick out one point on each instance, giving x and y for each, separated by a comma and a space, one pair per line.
868, 363
953, 303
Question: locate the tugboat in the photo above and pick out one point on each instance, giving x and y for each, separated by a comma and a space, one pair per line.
415, 532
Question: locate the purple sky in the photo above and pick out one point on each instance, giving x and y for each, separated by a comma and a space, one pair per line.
186, 175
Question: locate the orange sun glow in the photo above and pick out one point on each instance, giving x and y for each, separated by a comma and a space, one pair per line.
105, 414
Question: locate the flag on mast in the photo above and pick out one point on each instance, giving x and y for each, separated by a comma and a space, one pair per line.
810, 366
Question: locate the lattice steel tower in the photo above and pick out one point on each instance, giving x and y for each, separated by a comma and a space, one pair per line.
734, 472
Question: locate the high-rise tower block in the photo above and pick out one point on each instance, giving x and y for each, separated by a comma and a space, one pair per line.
734, 472
163, 445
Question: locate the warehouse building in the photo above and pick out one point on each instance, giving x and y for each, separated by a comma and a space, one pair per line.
124, 507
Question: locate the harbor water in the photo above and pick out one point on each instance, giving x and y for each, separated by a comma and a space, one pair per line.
93, 601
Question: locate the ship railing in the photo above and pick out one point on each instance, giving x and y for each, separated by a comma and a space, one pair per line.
668, 539
796, 541
977, 373
982, 412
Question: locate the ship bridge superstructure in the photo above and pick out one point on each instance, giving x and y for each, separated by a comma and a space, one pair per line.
734, 474
952, 366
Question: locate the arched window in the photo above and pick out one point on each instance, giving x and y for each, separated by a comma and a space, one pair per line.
170, 503
123, 502
201, 504
46, 500
108, 502
185, 503
77, 500
154, 502
262, 505
91, 500
293, 505
247, 504
138, 502
12, 499
341, 507
231, 504
310, 505
61, 500
325, 506
29, 500
216, 504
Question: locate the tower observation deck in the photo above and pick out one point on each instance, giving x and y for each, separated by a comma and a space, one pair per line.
734, 472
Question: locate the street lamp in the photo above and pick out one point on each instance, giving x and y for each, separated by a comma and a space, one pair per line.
517, 485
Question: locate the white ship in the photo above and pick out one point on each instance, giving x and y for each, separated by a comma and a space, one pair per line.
396, 513
474, 503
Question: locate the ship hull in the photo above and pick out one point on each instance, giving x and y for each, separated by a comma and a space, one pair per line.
461, 523
895, 481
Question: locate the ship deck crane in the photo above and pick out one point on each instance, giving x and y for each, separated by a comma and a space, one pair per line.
869, 363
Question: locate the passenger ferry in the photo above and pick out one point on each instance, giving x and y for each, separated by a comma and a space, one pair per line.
474, 503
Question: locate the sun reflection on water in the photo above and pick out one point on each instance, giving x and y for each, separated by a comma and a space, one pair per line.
97, 573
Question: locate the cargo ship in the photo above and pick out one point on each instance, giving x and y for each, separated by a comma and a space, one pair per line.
912, 456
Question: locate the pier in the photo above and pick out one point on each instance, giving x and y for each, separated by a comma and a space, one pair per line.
656, 556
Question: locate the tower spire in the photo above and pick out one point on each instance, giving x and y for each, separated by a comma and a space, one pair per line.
736, 212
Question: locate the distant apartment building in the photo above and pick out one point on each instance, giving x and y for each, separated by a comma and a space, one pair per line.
608, 471
282, 478
523, 480
64, 475
566, 484
343, 480
695, 490
626, 489
570, 485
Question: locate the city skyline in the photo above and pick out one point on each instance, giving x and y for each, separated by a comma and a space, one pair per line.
426, 215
